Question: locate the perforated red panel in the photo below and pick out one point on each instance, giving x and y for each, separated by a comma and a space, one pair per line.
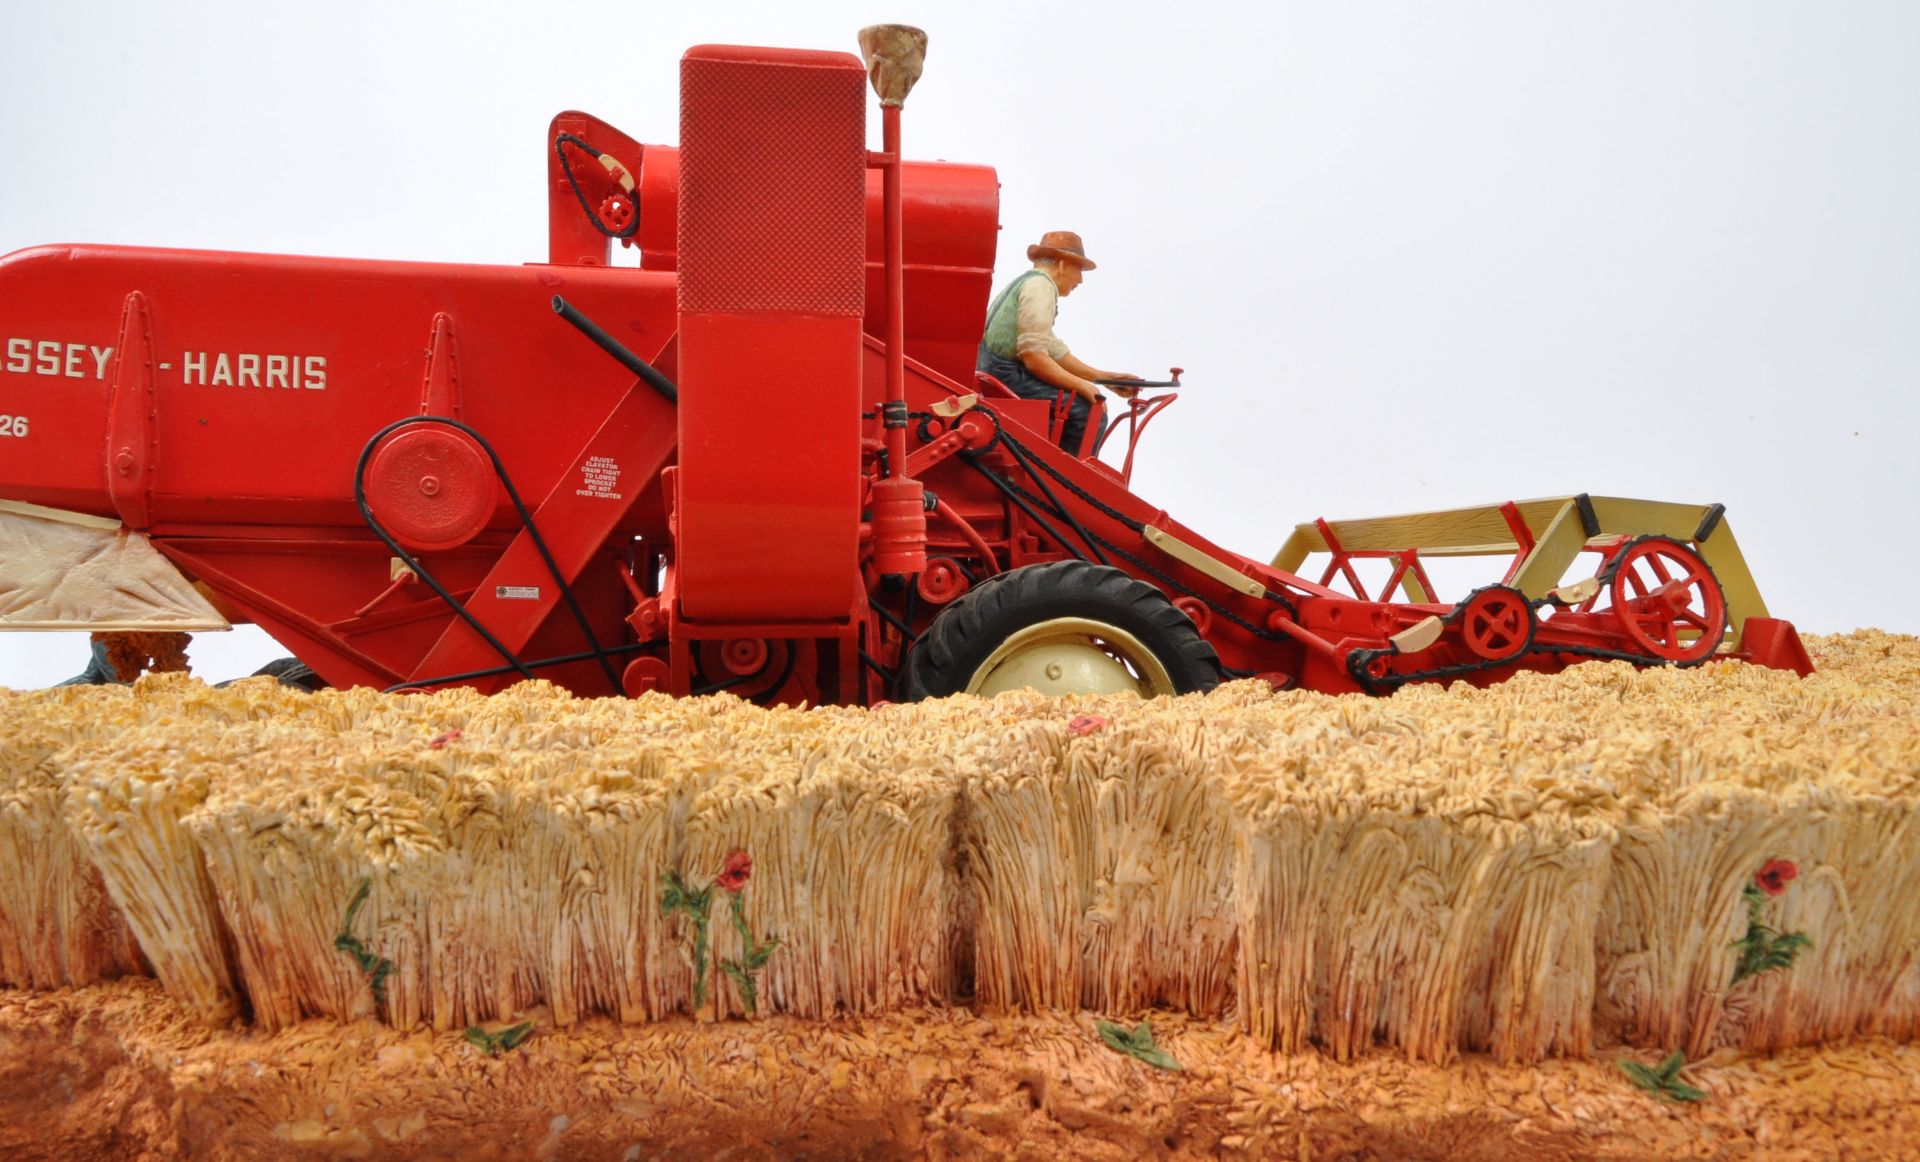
772, 181
772, 248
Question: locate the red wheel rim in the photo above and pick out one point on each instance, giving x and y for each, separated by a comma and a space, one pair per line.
1496, 623
1667, 601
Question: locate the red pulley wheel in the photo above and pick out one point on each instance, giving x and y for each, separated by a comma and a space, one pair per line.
1667, 601
643, 675
942, 581
1496, 623
746, 655
430, 486
744, 667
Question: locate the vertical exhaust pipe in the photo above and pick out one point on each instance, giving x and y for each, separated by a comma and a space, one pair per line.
895, 54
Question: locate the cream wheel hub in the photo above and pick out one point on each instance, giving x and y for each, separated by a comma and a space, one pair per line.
1072, 655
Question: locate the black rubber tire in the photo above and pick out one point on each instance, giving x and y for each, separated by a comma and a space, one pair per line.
291, 672
967, 632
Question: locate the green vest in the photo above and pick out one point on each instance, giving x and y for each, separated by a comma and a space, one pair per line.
1003, 317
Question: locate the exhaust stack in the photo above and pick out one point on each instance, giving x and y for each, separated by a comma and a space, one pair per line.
895, 54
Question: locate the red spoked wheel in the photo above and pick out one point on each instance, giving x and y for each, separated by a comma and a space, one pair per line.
1496, 623
1667, 600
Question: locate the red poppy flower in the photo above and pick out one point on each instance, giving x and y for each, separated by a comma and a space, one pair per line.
1085, 724
1775, 876
734, 873
443, 738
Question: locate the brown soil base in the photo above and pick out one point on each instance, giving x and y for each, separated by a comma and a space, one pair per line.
119, 1071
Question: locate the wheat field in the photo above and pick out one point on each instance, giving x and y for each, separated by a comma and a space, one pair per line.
1537, 869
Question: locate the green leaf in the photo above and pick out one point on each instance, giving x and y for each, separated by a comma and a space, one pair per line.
1670, 1068
675, 896
1643, 1077
1759, 953
742, 980
479, 1039
758, 957
378, 966
1753, 957
381, 969
353, 907
1663, 1079
512, 1038
1136, 1043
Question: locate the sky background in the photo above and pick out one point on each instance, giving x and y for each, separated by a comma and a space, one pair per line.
1412, 255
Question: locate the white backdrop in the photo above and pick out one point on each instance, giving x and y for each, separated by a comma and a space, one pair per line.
1413, 255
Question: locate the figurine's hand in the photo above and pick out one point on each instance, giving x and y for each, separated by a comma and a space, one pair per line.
1125, 392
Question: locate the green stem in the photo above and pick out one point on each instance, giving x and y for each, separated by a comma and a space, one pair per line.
699, 960
698, 906
753, 954
739, 909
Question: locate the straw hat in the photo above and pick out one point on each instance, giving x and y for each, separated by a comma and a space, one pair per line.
1061, 244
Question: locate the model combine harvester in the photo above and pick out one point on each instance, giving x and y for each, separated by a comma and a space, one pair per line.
760, 462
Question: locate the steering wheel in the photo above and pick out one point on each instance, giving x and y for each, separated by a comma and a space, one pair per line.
1140, 384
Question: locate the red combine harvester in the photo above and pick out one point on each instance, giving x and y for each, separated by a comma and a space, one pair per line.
760, 462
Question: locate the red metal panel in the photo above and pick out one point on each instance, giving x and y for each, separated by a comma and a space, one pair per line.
576, 519
952, 215
769, 534
772, 254
773, 163
270, 373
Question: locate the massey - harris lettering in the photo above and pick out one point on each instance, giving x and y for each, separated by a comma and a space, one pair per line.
52, 357
57, 359
221, 369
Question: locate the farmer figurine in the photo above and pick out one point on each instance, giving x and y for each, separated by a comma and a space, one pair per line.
1020, 348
